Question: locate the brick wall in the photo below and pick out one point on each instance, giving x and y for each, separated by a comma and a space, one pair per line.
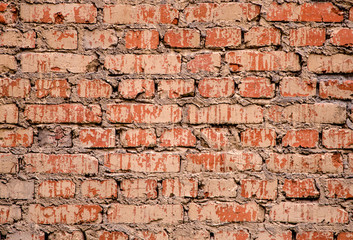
180, 120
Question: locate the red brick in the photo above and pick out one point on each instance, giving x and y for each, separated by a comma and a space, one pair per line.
250, 60
8, 163
57, 62
104, 235
216, 138
132, 88
338, 63
298, 188
60, 163
138, 138
65, 214
17, 189
191, 234
287, 235
18, 137
351, 14
146, 64
8, 13
307, 138
143, 113
99, 39
345, 235
307, 12
224, 12
148, 235
8, 113
206, 62
337, 138
63, 113
99, 189
7, 63
336, 89
177, 137
231, 234
27, 235
307, 36
216, 87
297, 163
58, 13
315, 235
165, 214
219, 188
53, 189
308, 113
339, 188
256, 87
144, 39
57, 39
260, 189
139, 188
97, 137
176, 88
223, 162
223, 37
8, 214
257, 137
140, 14
182, 38
297, 87
94, 89
15, 88
307, 213
262, 36
52, 88
75, 235
226, 212
145, 162
179, 187
15, 38
224, 114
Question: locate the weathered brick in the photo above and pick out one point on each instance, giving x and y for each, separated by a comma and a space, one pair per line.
191, 234
315, 235
58, 13
350, 163
177, 187
345, 235
262, 36
8, 13
297, 163
216, 87
249, 60
59, 188
57, 62
226, 212
7, 63
176, 88
52, 88
140, 14
336, 89
61, 39
223, 162
216, 138
99, 188
297, 87
342, 37
149, 235
223, 37
60, 163
105, 235
8, 163
307, 138
144, 64
132, 88
165, 214
146, 162
15, 38
143, 113
97, 137
351, 14
307, 12
287, 235
220, 188
99, 39
94, 89
205, 62
224, 114
8, 214
65, 214
18, 137
256, 87
27, 236
143, 39
298, 188
177, 137
182, 38
339, 188
307, 36
17, 189
8, 113
138, 138
15, 88
63, 113
260, 189
337, 138
75, 235
257, 137
338, 63
231, 234
139, 188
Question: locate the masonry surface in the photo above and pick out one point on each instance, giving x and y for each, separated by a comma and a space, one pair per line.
176, 120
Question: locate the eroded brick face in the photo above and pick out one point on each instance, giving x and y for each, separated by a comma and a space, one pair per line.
176, 120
